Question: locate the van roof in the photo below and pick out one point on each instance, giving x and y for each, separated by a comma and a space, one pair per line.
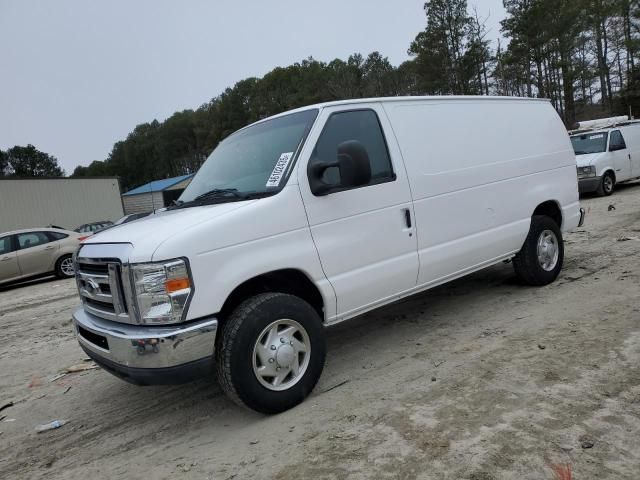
435, 98
579, 133
440, 98
604, 125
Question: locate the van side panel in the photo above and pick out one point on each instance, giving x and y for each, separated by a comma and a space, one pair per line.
478, 169
631, 134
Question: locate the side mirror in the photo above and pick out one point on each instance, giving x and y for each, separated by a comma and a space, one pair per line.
616, 147
353, 164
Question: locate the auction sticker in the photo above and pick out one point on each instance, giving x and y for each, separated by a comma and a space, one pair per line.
596, 137
279, 169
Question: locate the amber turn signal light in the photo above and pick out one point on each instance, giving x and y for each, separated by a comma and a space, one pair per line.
176, 284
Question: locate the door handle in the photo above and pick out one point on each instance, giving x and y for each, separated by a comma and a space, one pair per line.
5, 259
407, 217
50, 248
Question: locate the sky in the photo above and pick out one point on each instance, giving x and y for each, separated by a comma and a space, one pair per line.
76, 76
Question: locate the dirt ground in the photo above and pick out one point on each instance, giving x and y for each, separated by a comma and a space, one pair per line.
480, 379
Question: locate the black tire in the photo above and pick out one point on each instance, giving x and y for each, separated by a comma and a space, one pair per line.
234, 353
60, 271
526, 264
607, 184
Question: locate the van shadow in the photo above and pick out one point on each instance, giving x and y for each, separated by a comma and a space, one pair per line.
448, 300
620, 187
623, 187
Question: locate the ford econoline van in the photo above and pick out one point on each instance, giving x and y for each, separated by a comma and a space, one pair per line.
315, 216
607, 153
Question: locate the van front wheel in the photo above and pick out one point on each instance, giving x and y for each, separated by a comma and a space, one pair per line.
270, 352
540, 260
607, 185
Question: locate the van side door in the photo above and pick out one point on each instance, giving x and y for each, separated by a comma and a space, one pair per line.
9, 269
621, 158
365, 236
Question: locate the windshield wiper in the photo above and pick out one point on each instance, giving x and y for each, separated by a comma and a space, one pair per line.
220, 192
219, 195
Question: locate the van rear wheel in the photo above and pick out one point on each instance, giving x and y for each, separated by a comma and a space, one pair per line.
540, 260
271, 352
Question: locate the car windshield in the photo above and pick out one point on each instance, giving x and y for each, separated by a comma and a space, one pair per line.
589, 143
253, 161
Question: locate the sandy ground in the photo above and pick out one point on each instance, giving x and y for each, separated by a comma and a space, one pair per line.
480, 379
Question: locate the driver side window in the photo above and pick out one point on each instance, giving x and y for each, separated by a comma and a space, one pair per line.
360, 125
616, 141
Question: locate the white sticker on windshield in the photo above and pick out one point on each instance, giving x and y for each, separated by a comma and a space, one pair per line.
279, 169
595, 137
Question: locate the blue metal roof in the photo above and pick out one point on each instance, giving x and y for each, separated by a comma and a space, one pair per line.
157, 185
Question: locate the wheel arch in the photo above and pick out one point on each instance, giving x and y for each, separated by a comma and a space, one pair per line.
58, 260
288, 280
551, 209
612, 171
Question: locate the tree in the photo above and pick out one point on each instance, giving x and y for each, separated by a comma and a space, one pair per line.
478, 56
452, 53
4, 164
378, 76
29, 162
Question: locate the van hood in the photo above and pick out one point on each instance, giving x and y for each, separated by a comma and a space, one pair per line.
147, 233
588, 159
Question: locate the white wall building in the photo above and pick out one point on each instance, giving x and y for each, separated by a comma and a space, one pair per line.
64, 202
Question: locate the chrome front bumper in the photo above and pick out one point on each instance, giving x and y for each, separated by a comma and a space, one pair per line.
143, 354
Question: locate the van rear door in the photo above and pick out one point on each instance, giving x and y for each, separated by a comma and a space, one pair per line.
365, 236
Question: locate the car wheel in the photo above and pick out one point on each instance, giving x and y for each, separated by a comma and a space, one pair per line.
607, 185
64, 267
270, 352
540, 260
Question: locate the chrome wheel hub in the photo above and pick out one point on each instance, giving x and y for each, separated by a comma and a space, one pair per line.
548, 250
67, 267
281, 354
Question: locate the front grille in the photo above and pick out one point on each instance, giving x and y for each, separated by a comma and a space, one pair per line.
101, 289
99, 268
102, 306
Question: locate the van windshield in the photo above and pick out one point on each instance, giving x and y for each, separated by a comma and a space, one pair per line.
589, 143
252, 162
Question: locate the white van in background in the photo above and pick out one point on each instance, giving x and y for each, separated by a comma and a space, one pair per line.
607, 153
317, 215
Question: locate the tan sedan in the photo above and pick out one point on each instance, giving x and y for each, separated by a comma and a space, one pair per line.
37, 252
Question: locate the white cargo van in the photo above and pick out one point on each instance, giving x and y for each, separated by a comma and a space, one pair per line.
607, 152
317, 215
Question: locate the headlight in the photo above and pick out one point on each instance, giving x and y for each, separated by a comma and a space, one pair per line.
162, 290
586, 172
